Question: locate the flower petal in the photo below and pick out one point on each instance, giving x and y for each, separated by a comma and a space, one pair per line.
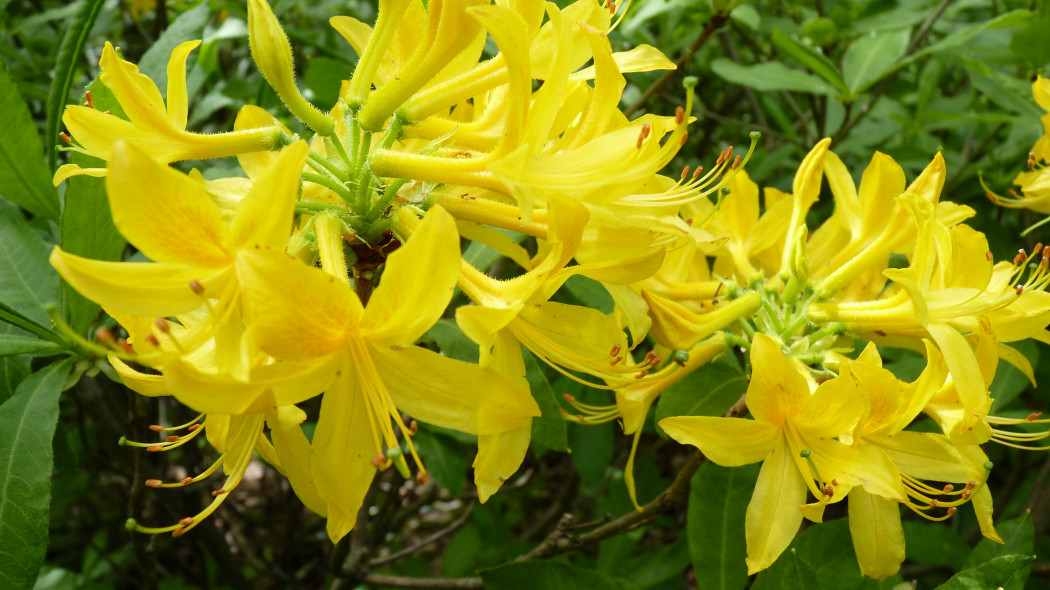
499, 456
294, 452
450, 393
178, 101
878, 538
729, 442
773, 516
416, 285
777, 390
264, 216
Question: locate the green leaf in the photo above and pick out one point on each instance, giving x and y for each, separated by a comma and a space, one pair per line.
655, 567
1013, 94
69, 50
1032, 43
932, 544
812, 59
1001, 572
548, 429
708, 391
453, 342
549, 575
770, 76
1018, 537
591, 444
590, 293
29, 283
960, 37
188, 26
21, 343
871, 57
24, 176
13, 369
88, 231
789, 572
1009, 381
27, 425
718, 499
446, 459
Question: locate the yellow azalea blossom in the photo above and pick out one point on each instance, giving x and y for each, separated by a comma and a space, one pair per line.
151, 126
795, 434
299, 312
1034, 183
171, 219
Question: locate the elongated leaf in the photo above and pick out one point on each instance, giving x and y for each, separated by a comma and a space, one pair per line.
453, 342
1011, 93
549, 575
548, 429
960, 37
27, 425
718, 499
770, 76
24, 176
13, 369
188, 26
88, 231
1018, 539
812, 59
69, 50
21, 343
871, 57
29, 282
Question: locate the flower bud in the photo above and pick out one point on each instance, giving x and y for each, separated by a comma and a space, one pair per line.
272, 54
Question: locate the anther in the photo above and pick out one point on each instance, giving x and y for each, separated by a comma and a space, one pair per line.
685, 172
1019, 289
685, 137
679, 115
413, 427
699, 171
197, 287
156, 427
177, 533
834, 482
186, 481
948, 488
105, 337
828, 491
689, 221
89, 99
951, 510
218, 492
933, 503
615, 350
641, 375
966, 495
65, 137
643, 134
186, 521
422, 478
1038, 248
988, 255
171, 438
568, 397
161, 325
154, 448
656, 360
971, 484
378, 460
736, 163
125, 346
152, 340
193, 427
616, 360
154, 483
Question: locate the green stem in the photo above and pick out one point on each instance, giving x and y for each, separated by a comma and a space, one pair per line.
325, 181
319, 163
388, 196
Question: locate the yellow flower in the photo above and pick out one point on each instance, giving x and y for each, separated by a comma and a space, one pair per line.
171, 219
299, 313
157, 130
1035, 183
795, 434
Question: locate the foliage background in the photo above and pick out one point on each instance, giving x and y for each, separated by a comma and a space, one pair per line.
907, 78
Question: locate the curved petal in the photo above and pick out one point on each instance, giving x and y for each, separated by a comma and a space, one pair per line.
178, 101
136, 93
777, 390
148, 289
164, 213
878, 537
499, 456
450, 393
294, 452
344, 444
730, 442
416, 285
773, 516
264, 216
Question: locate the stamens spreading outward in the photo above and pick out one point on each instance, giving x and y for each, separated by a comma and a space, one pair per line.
1019, 440
588, 413
243, 434
695, 187
922, 497
170, 442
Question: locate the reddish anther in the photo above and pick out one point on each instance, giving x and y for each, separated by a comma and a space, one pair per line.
65, 137
615, 350
171, 438
679, 115
154, 448
736, 163
186, 481
186, 521
1034, 416
154, 483
156, 427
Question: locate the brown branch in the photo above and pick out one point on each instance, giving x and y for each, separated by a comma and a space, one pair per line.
455, 526
716, 22
885, 85
407, 582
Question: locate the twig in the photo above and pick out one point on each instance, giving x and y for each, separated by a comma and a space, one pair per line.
972, 156
455, 526
885, 85
406, 582
713, 24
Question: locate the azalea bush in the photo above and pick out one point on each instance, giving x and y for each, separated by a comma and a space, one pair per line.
457, 294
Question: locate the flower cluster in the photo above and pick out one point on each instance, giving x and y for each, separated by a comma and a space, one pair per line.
1035, 182
318, 273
